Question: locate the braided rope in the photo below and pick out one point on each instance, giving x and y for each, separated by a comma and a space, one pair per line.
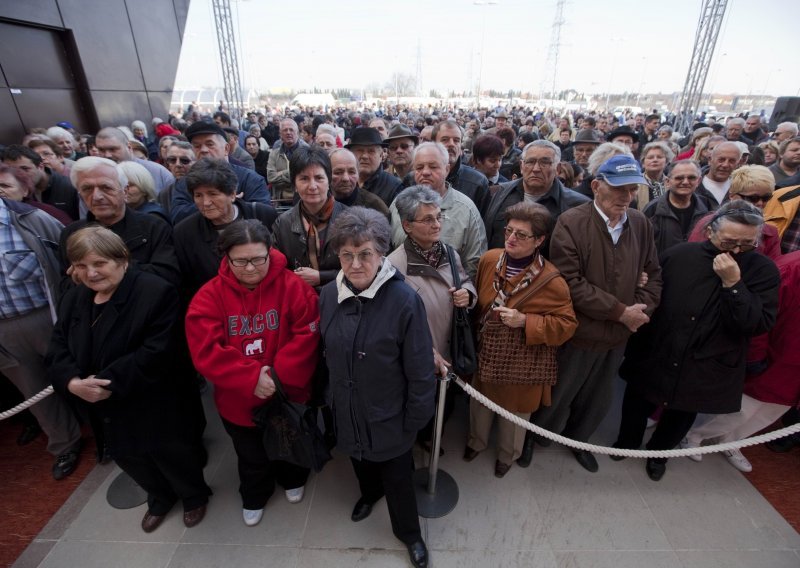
683, 452
30, 402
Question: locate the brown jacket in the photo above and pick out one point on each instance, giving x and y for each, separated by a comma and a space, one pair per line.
602, 276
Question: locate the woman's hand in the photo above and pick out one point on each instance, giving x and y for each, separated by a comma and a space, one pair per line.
727, 269
440, 364
309, 275
90, 389
265, 387
460, 297
511, 317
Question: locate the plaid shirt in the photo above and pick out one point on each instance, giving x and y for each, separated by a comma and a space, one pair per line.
22, 286
791, 237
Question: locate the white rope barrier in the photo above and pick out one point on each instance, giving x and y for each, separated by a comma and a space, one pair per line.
679, 453
30, 402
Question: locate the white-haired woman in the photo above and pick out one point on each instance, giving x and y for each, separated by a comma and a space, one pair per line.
140, 193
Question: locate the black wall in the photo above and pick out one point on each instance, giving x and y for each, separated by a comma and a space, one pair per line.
93, 63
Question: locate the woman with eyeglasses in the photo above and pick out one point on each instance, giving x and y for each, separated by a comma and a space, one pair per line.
253, 323
425, 262
690, 358
380, 358
523, 299
213, 186
754, 185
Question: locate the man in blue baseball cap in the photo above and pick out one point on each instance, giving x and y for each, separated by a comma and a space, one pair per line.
606, 253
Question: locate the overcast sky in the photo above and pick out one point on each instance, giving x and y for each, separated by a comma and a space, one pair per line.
616, 45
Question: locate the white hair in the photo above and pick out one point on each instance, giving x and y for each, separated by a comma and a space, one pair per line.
439, 147
91, 162
790, 125
605, 151
138, 175
57, 133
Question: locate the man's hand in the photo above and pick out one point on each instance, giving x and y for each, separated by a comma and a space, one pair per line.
90, 389
309, 275
440, 364
727, 269
265, 387
634, 317
643, 278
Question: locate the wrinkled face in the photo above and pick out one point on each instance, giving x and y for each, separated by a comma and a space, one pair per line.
138, 132
450, 136
723, 161
326, 142
783, 133
613, 201
27, 167
538, 170
100, 190
289, 132
426, 226
312, 187
430, 170
210, 146
10, 188
213, 204
255, 257
67, 145
163, 146
654, 162
49, 158
791, 156
752, 124
731, 236
134, 196
520, 240
360, 264
733, 131
683, 180
99, 273
112, 149
663, 135
581, 152
401, 152
369, 159
179, 161
379, 125
625, 140
345, 173
251, 145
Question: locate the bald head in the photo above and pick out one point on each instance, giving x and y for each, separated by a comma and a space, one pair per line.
113, 144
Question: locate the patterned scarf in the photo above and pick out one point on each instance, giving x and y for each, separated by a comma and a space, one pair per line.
506, 288
433, 256
316, 222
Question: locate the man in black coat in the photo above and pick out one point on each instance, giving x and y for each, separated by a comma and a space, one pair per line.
50, 187
463, 178
691, 357
367, 145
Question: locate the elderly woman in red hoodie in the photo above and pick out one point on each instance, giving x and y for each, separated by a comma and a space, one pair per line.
254, 322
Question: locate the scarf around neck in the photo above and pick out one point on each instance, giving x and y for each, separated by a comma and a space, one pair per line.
316, 222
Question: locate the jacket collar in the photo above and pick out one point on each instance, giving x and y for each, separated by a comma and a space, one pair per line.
386, 272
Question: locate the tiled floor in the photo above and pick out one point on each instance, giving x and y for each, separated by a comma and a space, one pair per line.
551, 515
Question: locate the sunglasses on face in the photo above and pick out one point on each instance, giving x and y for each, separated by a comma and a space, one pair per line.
174, 160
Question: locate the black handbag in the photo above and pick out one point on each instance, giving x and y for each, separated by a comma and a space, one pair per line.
462, 345
290, 431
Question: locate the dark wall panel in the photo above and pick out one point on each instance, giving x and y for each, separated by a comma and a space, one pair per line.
11, 130
159, 104
104, 39
181, 13
22, 45
117, 108
158, 42
42, 12
40, 108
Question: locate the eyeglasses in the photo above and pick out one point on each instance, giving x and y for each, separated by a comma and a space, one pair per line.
182, 160
430, 220
519, 234
756, 198
348, 257
242, 262
684, 178
543, 162
731, 244
396, 147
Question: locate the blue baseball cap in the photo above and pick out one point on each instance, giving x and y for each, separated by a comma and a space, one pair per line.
621, 170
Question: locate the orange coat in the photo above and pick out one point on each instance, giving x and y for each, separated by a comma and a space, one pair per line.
550, 319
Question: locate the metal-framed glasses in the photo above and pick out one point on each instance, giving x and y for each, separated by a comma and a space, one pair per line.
349, 257
508, 231
430, 220
542, 162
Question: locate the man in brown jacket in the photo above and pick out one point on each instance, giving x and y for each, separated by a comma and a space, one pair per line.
607, 255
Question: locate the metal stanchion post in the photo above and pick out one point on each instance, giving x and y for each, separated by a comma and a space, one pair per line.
436, 490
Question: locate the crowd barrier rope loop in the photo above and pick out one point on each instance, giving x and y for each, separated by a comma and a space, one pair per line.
30, 402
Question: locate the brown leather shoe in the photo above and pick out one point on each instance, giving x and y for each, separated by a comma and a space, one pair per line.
470, 454
152, 522
193, 517
501, 469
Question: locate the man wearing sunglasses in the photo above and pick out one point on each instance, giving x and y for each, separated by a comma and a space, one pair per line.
179, 158
691, 357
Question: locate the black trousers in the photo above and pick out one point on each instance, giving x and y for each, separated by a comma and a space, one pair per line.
392, 478
257, 474
169, 473
671, 429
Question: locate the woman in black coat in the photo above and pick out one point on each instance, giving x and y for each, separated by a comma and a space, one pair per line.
380, 357
111, 353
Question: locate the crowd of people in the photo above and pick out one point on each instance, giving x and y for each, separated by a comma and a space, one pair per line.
326, 255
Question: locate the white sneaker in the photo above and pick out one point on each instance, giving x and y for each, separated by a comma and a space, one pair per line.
685, 444
252, 516
295, 495
737, 460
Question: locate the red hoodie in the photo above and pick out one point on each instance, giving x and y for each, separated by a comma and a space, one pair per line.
233, 332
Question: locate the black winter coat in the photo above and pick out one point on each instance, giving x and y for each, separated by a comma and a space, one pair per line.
666, 226
691, 356
471, 183
384, 185
380, 358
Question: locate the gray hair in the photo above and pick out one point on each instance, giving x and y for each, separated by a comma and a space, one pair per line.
790, 125
409, 200
438, 146
738, 211
605, 151
543, 144
326, 129
737, 121
658, 145
138, 175
139, 124
91, 162
686, 162
358, 225
57, 133
723, 145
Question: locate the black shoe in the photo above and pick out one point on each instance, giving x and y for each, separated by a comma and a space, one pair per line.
524, 460
501, 469
65, 464
29, 434
470, 454
655, 470
418, 554
616, 458
361, 511
783, 445
586, 459
542, 441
